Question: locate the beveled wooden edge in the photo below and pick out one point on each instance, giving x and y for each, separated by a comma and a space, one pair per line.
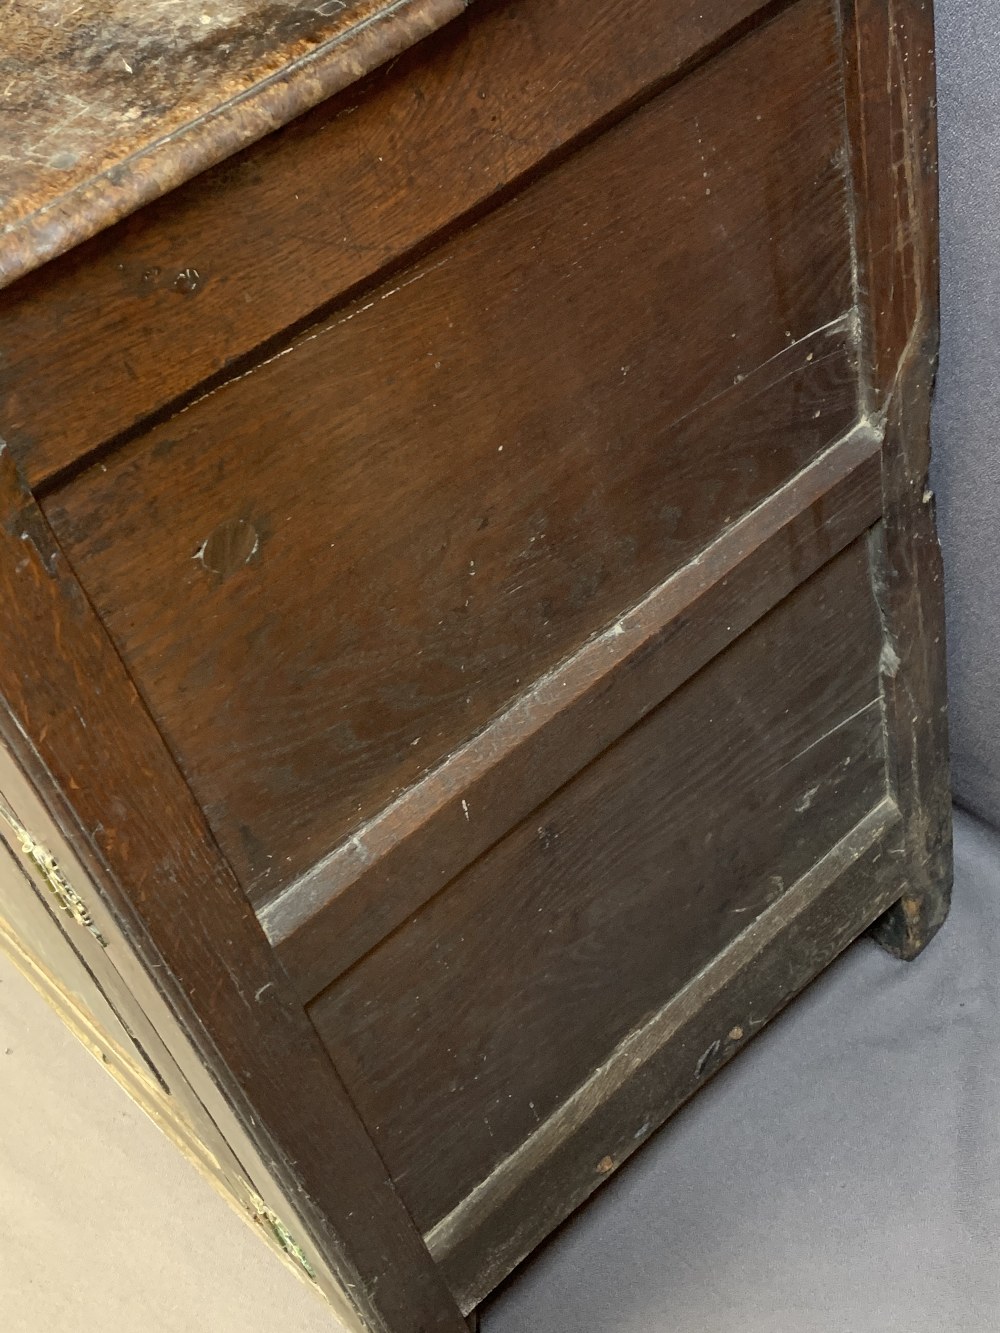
371, 39
325, 921
660, 1065
73, 723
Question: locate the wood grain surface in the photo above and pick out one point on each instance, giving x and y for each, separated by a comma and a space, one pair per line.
527, 971
328, 919
187, 288
110, 103
483, 462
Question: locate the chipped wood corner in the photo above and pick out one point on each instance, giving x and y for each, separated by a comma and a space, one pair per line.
22, 520
279, 1233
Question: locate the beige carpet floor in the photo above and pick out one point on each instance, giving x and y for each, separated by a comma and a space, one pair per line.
104, 1226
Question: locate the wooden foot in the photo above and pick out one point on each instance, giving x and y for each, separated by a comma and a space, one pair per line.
909, 925
473, 1321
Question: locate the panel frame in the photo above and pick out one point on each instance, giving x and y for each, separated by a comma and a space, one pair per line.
469, 1026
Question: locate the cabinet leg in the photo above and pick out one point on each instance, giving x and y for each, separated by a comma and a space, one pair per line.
910, 925
909, 587
473, 1321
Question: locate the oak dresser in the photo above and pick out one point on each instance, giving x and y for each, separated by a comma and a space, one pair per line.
471, 631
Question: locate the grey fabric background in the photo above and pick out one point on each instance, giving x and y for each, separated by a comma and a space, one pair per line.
967, 414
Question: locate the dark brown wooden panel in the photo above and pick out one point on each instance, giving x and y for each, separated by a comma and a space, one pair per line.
331, 917
530, 969
116, 330
377, 540
681, 1046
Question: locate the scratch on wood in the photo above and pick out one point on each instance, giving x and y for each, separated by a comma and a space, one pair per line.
874, 703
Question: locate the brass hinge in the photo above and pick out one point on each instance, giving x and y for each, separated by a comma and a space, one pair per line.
53, 878
269, 1218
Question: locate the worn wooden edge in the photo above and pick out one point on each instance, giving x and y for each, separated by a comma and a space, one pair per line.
889, 74
326, 920
111, 1056
165, 163
908, 581
89, 954
891, 115
73, 723
660, 1065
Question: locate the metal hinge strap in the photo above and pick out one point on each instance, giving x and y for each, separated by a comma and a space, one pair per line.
269, 1218
52, 876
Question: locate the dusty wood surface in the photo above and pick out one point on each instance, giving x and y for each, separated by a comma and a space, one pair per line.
497, 463
107, 104
112, 332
